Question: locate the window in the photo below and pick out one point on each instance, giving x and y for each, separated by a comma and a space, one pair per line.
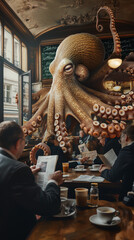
0, 39
9, 93
7, 44
17, 48
13, 62
24, 57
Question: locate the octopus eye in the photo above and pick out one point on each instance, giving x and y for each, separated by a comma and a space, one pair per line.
68, 68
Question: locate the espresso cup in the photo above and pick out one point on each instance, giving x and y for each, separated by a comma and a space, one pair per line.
65, 166
64, 192
106, 214
95, 166
80, 167
81, 195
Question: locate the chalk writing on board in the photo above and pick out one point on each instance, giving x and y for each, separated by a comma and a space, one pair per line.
47, 56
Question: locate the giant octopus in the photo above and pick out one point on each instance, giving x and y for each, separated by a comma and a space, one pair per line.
79, 72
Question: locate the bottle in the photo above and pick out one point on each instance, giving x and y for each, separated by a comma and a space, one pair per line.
94, 195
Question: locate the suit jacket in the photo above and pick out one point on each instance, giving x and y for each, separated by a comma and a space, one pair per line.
123, 169
109, 144
56, 150
21, 198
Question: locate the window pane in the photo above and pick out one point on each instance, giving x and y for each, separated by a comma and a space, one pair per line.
10, 89
24, 57
0, 39
16, 52
7, 45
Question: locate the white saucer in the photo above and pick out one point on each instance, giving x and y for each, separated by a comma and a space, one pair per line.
65, 175
60, 215
80, 170
95, 220
94, 169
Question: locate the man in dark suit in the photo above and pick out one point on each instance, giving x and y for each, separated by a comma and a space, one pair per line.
20, 197
107, 144
123, 168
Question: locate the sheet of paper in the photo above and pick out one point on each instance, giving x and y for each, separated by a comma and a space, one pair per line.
47, 165
108, 158
83, 148
90, 154
88, 178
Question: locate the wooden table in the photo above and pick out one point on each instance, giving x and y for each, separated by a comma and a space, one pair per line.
78, 227
107, 190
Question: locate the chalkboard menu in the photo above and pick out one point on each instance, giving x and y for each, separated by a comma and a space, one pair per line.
47, 56
48, 53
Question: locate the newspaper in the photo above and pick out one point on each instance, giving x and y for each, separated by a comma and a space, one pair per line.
83, 148
108, 158
47, 164
86, 153
90, 154
88, 178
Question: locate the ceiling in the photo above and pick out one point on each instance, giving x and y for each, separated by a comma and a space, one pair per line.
40, 15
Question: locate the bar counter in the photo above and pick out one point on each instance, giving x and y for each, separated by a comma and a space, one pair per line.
79, 227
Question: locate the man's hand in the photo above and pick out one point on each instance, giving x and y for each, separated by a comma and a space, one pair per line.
84, 159
103, 167
34, 169
57, 176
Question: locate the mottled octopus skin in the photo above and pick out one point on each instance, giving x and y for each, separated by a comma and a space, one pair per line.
44, 147
77, 89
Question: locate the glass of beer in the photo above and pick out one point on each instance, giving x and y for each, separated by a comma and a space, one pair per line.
65, 166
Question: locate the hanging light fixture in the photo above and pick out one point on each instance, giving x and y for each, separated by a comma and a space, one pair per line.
117, 88
115, 61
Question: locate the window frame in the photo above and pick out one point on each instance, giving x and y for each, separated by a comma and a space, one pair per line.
8, 63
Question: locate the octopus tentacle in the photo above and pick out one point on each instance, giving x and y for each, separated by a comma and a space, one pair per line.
36, 120
44, 147
50, 118
117, 46
76, 108
37, 105
38, 95
61, 133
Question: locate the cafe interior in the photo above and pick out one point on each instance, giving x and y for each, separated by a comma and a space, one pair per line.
68, 66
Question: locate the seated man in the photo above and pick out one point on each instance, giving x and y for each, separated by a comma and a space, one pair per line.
90, 142
56, 150
21, 198
123, 168
107, 144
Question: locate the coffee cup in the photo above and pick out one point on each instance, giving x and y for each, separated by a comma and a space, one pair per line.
64, 192
95, 166
81, 167
65, 166
81, 195
106, 214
